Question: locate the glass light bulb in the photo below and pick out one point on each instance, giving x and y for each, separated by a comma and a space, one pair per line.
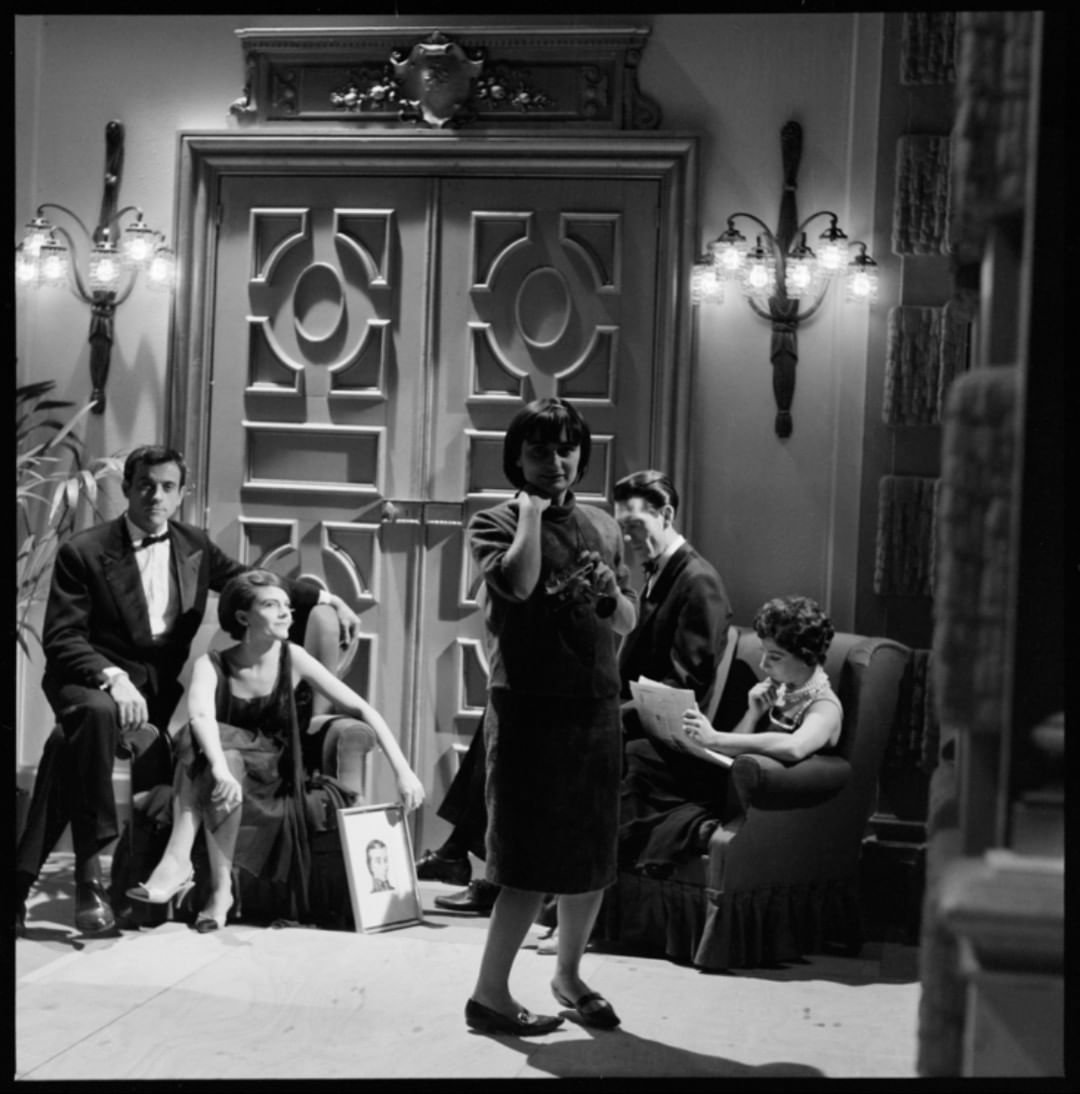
862, 284
104, 268
37, 235
728, 257
161, 272
54, 269
138, 250
705, 285
758, 276
832, 257
798, 277
26, 267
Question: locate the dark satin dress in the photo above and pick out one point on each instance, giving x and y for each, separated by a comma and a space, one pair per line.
261, 741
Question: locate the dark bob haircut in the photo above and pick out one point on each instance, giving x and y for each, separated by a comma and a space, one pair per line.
151, 455
653, 487
548, 421
798, 625
238, 596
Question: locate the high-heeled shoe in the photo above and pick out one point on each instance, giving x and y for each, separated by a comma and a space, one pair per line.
205, 923
148, 894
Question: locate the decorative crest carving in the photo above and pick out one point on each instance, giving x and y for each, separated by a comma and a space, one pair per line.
583, 77
436, 78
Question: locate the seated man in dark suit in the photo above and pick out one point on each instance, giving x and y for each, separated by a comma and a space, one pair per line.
126, 600
671, 800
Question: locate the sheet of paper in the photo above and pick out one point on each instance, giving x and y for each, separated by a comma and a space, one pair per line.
661, 708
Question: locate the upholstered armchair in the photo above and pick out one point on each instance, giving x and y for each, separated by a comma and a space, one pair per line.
780, 879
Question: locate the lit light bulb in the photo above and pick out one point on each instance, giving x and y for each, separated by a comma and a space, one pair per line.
26, 269
758, 277
53, 269
832, 257
860, 286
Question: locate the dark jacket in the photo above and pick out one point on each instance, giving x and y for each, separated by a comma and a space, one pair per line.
96, 615
681, 631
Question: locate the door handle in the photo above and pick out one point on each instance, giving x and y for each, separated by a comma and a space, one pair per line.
428, 513
392, 513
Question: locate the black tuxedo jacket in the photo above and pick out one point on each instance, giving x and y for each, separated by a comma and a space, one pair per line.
682, 625
96, 615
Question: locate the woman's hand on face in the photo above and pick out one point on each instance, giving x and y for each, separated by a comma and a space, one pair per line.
762, 696
697, 727
528, 502
227, 791
411, 790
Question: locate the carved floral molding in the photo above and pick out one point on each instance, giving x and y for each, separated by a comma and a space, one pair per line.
423, 77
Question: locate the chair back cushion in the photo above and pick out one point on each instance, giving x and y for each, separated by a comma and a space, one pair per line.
865, 674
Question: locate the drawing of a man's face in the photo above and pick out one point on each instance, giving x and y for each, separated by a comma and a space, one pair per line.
378, 860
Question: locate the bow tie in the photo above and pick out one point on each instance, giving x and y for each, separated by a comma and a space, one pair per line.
149, 541
650, 566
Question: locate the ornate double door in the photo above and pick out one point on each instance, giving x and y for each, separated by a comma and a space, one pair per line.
369, 340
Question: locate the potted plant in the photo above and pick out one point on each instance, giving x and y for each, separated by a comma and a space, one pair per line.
53, 482
53, 479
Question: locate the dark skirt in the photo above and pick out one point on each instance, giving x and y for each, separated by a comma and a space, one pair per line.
553, 768
265, 842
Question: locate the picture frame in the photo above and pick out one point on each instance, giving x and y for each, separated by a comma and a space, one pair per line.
381, 870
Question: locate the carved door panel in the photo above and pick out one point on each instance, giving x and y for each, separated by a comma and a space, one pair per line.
372, 339
316, 385
545, 287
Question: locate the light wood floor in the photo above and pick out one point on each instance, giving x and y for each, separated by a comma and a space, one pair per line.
250, 1002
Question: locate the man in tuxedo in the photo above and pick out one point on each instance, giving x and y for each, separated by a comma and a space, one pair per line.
126, 600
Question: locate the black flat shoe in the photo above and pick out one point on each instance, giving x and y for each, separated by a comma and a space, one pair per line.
592, 1008
434, 866
204, 924
477, 897
524, 1024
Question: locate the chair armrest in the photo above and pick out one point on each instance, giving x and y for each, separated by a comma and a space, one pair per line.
766, 783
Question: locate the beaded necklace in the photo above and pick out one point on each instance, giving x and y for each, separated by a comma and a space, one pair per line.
792, 703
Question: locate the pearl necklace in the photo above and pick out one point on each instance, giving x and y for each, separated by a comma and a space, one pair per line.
793, 702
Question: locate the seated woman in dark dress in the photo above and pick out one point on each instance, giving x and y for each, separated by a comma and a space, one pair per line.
671, 803
239, 768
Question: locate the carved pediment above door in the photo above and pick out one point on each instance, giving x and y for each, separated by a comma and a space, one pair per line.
430, 78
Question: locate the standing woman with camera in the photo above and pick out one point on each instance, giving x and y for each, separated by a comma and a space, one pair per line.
558, 598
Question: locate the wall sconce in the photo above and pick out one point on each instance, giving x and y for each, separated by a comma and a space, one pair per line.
783, 279
48, 255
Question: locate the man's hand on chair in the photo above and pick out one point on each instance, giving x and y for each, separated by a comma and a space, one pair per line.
348, 620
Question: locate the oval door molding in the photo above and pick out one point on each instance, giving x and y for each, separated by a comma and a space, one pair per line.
542, 307
318, 303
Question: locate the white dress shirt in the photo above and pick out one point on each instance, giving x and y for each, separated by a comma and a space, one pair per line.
155, 573
662, 561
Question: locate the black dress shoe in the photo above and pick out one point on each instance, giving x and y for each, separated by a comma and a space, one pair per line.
477, 897
93, 913
523, 1024
434, 866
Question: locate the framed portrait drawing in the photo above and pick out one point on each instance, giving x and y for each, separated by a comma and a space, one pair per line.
380, 867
